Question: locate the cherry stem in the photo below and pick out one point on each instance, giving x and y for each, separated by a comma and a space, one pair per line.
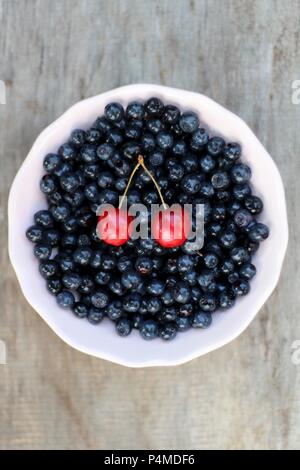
142, 164
129, 182
141, 161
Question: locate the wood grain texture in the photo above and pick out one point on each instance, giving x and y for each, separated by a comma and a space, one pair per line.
243, 54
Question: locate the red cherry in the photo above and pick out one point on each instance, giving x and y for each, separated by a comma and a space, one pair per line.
170, 227
114, 226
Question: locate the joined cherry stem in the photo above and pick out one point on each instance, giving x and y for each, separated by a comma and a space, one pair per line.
142, 164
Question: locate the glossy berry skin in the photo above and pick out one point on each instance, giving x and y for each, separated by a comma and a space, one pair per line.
114, 112
123, 327
189, 122
52, 162
154, 107
259, 232
199, 139
95, 315
171, 114
253, 204
54, 285
171, 227
168, 331
242, 218
247, 271
202, 320
240, 173
80, 310
42, 251
114, 227
149, 329
105, 151
215, 146
65, 299
135, 110
34, 234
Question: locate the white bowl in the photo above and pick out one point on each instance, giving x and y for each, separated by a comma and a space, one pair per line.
101, 341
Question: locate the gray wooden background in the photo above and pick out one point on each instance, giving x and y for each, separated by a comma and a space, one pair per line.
244, 54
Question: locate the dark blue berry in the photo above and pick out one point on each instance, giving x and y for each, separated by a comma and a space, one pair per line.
149, 329
168, 331
123, 327
65, 299
189, 122
258, 233
201, 320
114, 112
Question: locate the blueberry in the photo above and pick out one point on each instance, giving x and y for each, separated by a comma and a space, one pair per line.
114, 137
207, 163
91, 192
132, 303
185, 263
105, 151
220, 180
60, 212
78, 137
102, 125
154, 107
69, 182
116, 286
108, 262
95, 315
93, 136
43, 218
183, 323
239, 255
102, 278
86, 284
155, 287
171, 114
228, 239
114, 112
48, 184
226, 300
240, 173
215, 146
199, 139
189, 122
164, 140
71, 280
247, 271
202, 320
232, 151
258, 233
242, 218
65, 299
179, 148
131, 279
168, 331
48, 269
176, 173
207, 302
210, 260
149, 329
80, 310
42, 251
123, 327
241, 287
191, 184
167, 297
54, 285
155, 126
156, 158
148, 142
131, 151
82, 255
186, 310
99, 299
253, 204
182, 293
114, 310
144, 265
35, 234
240, 191
205, 278
206, 189
135, 110
52, 162
227, 266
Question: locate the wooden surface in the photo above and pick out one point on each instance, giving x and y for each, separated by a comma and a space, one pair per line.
243, 54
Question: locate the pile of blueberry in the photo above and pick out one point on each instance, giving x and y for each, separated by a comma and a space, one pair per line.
141, 284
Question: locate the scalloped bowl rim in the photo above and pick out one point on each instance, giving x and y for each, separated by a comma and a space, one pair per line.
102, 341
